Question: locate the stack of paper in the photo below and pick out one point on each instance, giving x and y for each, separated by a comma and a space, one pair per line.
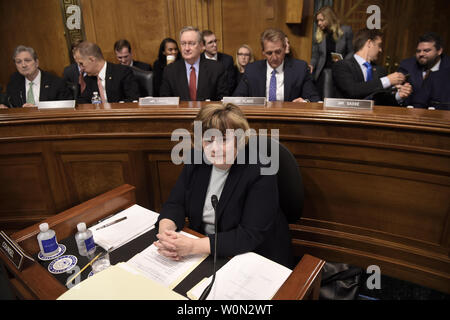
248, 276
119, 282
138, 221
164, 270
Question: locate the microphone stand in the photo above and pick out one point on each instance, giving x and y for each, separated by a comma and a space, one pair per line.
207, 290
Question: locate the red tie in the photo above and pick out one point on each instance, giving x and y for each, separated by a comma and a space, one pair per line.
81, 82
193, 84
101, 90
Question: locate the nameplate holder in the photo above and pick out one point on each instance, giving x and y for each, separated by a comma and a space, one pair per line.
159, 101
348, 104
13, 251
245, 101
57, 104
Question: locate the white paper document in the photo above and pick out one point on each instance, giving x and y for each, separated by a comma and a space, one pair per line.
138, 221
164, 270
248, 276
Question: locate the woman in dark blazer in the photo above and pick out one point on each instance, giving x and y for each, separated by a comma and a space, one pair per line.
168, 53
330, 37
249, 218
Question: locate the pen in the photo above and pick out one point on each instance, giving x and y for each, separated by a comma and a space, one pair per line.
111, 223
90, 262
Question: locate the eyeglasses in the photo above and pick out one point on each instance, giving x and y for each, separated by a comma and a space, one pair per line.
244, 54
190, 44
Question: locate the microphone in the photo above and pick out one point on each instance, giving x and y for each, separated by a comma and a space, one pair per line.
205, 293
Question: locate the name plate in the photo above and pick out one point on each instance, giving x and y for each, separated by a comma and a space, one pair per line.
58, 104
245, 101
159, 101
348, 103
13, 251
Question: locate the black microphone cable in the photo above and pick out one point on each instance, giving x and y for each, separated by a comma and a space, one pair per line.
214, 202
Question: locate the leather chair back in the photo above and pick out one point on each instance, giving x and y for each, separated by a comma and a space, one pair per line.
145, 81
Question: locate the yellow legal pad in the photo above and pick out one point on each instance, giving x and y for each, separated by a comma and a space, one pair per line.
120, 282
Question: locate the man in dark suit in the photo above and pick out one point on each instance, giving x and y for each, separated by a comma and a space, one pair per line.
114, 82
278, 78
429, 58
359, 78
122, 48
435, 92
29, 84
211, 52
192, 78
71, 73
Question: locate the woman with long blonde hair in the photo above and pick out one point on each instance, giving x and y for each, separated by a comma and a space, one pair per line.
330, 39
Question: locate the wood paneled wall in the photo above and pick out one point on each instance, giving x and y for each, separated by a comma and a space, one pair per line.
402, 22
38, 23
34, 23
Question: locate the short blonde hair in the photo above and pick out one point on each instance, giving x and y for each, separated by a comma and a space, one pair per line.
223, 117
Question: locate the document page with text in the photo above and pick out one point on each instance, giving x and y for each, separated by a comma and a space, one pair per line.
164, 270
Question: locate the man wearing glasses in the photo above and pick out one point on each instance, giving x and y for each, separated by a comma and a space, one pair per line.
211, 52
278, 78
192, 78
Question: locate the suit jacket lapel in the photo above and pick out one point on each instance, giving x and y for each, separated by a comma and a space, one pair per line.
183, 83
45, 87
108, 80
199, 189
233, 178
288, 79
262, 84
202, 82
357, 70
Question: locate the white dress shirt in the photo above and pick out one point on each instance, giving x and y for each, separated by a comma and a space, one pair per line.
280, 80
102, 76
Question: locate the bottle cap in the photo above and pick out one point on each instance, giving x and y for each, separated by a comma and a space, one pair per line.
81, 227
43, 227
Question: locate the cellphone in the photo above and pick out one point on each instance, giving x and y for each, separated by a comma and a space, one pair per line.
407, 77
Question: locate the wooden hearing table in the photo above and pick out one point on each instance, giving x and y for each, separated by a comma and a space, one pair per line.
377, 182
35, 282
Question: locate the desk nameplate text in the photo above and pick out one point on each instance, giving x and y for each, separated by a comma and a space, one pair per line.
159, 101
13, 251
348, 103
245, 101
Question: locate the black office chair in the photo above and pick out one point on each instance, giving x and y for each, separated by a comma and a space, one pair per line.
74, 88
145, 81
290, 184
328, 84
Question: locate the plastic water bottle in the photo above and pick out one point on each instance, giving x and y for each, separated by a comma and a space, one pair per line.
47, 241
96, 99
85, 240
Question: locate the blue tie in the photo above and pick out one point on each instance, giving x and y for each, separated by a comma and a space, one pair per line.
273, 87
369, 70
